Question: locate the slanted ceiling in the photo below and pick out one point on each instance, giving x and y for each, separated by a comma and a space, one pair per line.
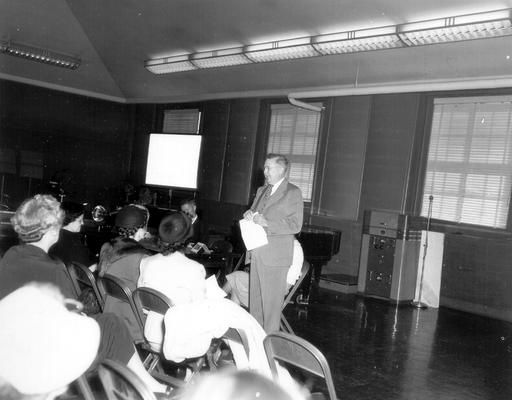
114, 37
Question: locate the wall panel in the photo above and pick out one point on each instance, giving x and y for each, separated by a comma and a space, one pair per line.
243, 125
344, 157
388, 152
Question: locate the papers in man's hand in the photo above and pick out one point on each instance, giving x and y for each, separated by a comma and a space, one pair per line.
254, 235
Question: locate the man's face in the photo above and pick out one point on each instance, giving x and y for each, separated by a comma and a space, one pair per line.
273, 171
189, 210
76, 225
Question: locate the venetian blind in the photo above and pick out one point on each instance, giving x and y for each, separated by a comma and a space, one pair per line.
294, 133
469, 168
181, 121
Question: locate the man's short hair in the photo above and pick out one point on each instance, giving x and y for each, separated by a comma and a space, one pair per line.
72, 211
188, 201
280, 159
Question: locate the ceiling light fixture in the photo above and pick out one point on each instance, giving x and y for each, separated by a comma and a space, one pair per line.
444, 30
40, 55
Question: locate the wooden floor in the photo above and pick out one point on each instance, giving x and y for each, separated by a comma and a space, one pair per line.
382, 351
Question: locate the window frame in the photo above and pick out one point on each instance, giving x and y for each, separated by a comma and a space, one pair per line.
320, 147
423, 144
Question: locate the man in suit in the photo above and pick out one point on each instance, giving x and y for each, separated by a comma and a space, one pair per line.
278, 208
199, 227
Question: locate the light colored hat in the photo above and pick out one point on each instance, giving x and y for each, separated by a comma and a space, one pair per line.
43, 346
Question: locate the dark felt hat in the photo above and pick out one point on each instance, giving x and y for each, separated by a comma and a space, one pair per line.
132, 216
175, 228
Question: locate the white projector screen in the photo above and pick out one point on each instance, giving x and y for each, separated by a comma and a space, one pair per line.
173, 160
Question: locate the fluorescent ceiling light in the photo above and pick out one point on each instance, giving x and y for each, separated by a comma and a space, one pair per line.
168, 65
453, 29
40, 55
443, 30
220, 58
354, 41
281, 50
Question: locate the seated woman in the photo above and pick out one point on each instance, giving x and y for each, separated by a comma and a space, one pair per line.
70, 247
37, 222
170, 272
121, 257
200, 312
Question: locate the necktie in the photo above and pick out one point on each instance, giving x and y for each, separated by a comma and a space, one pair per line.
262, 201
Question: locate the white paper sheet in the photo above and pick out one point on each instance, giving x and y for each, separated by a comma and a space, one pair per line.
254, 235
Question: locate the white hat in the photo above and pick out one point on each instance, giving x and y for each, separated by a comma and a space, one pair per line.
43, 346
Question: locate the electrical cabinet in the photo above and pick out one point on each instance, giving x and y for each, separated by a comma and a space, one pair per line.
390, 250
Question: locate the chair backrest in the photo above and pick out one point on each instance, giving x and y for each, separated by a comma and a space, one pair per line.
113, 286
239, 336
147, 299
303, 273
119, 383
82, 279
292, 350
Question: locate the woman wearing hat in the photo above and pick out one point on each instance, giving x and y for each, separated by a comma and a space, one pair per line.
170, 272
121, 257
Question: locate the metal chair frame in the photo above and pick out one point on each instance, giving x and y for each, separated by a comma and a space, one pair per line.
113, 286
284, 324
80, 276
289, 349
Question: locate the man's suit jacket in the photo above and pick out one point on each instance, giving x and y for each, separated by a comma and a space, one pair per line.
283, 212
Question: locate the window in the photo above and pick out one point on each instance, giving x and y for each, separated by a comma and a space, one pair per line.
294, 133
181, 121
469, 167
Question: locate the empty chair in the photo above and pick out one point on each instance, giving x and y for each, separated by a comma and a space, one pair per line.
83, 280
285, 325
290, 350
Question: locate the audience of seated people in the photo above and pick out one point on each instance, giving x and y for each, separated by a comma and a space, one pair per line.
35, 313
121, 257
70, 246
37, 222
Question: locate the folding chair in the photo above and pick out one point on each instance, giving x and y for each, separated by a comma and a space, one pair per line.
291, 350
146, 299
82, 279
111, 285
284, 325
